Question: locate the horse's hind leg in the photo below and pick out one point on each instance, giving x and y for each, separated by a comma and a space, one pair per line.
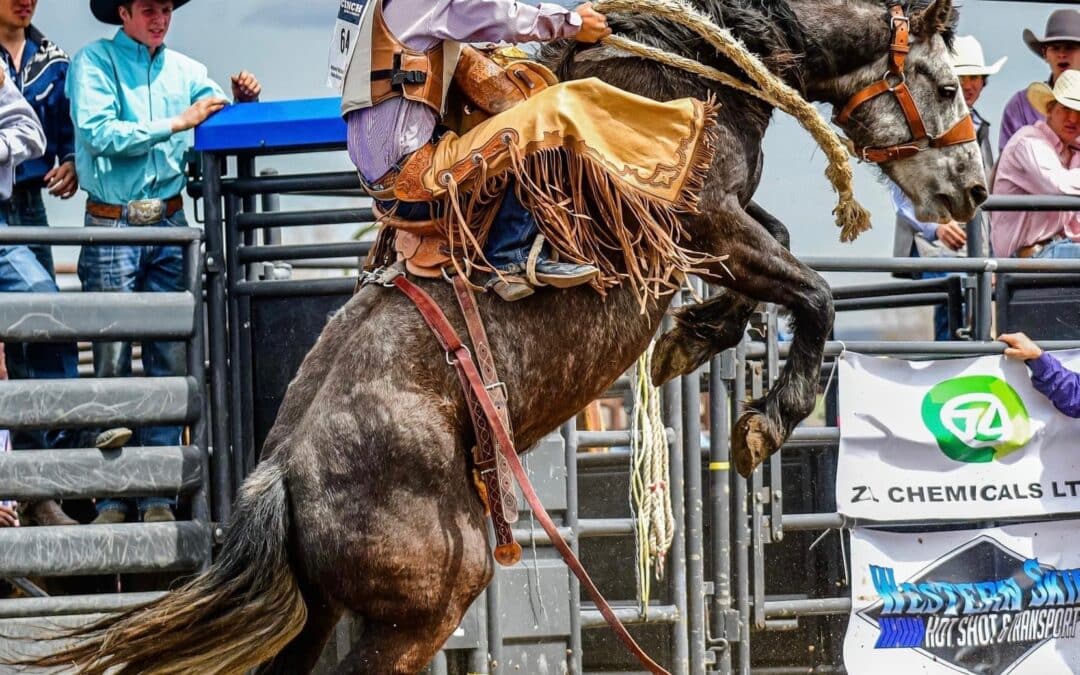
701, 331
301, 655
398, 648
759, 267
705, 329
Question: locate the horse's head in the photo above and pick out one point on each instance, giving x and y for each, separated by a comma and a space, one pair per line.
904, 110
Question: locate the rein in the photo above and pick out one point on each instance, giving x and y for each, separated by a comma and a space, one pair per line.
894, 82
486, 415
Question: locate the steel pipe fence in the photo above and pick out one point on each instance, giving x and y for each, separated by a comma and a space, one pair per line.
717, 601
91, 402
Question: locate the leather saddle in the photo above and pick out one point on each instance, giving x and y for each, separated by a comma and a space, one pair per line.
486, 83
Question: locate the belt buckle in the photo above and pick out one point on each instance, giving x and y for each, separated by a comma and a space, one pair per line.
145, 211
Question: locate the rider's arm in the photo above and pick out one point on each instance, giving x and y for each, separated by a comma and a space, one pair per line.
500, 21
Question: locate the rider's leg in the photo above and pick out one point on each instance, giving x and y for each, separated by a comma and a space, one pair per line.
511, 239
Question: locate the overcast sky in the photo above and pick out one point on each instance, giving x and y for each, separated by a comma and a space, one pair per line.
285, 43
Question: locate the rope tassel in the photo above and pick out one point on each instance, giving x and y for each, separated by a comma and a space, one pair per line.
851, 217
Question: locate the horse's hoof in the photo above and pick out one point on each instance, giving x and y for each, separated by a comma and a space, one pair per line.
675, 355
752, 441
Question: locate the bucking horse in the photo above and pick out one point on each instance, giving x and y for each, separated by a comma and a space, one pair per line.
364, 499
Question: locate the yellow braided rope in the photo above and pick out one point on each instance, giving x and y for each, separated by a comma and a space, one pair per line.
851, 217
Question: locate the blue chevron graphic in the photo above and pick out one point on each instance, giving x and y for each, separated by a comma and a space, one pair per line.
900, 633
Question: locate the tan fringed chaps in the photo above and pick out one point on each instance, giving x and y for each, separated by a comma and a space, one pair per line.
607, 174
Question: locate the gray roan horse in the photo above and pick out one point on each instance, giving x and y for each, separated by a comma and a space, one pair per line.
364, 501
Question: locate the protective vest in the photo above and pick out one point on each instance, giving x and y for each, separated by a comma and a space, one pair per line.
390, 69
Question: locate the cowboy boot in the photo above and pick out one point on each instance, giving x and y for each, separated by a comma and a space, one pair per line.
111, 439
47, 513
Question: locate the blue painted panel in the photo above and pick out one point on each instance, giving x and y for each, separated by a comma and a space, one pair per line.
298, 124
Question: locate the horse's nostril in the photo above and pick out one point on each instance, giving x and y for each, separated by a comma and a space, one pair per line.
979, 194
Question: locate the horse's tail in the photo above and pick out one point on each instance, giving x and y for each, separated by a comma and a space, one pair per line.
238, 614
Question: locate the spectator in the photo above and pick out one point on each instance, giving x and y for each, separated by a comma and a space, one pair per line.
132, 100
1048, 375
1060, 48
22, 138
38, 68
9, 514
917, 238
1042, 159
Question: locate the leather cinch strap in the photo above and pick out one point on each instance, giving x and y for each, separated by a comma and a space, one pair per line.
458, 354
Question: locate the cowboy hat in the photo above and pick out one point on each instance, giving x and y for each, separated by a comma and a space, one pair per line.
108, 11
1066, 91
1062, 26
967, 58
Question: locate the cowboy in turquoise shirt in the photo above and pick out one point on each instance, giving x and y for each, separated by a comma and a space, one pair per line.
133, 104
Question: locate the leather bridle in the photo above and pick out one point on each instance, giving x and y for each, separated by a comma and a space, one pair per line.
895, 83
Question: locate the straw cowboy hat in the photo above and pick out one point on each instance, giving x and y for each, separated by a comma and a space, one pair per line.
108, 11
1066, 91
1062, 26
968, 59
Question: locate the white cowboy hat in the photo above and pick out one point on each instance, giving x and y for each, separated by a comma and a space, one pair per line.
1066, 91
968, 59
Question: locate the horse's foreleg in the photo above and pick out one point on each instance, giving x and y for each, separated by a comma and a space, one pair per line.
704, 330
759, 267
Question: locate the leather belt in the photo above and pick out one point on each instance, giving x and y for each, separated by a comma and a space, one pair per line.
480, 401
1036, 248
139, 211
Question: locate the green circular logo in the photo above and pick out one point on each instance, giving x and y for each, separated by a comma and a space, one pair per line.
976, 418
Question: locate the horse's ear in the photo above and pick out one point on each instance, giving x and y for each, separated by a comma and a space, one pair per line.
933, 19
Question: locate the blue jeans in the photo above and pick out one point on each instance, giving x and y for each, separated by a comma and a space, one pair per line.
21, 272
512, 233
1062, 248
137, 269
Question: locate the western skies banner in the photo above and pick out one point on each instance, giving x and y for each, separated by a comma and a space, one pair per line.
952, 440
998, 601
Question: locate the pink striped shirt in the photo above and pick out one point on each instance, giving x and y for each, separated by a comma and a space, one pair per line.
1034, 162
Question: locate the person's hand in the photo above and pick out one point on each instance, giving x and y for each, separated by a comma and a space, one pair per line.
3, 364
952, 234
1020, 346
593, 24
62, 181
197, 114
245, 88
9, 517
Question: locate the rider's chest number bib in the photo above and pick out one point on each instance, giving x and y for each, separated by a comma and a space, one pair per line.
344, 38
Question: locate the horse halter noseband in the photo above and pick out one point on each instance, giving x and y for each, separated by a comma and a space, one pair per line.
894, 82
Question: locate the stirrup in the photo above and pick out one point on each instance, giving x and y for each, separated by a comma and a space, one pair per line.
534, 258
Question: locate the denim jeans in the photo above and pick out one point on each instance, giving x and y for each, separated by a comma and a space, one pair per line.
1062, 248
512, 232
22, 271
137, 269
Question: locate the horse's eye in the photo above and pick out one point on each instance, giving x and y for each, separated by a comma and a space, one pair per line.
947, 91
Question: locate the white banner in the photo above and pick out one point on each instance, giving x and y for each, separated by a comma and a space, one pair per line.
1003, 600
952, 440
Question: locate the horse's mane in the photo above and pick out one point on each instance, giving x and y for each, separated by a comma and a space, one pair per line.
768, 28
